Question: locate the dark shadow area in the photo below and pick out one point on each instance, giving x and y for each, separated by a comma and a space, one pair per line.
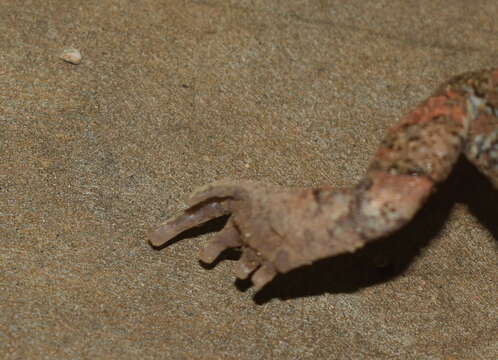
479, 194
389, 257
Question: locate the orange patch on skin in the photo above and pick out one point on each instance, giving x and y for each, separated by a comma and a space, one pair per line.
449, 105
382, 153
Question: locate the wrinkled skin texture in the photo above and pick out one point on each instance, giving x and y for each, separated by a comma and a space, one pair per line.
279, 229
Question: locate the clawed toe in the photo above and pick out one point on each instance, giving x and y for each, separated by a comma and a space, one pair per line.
263, 275
247, 263
190, 218
229, 237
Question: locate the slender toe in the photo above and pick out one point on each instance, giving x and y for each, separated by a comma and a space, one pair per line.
263, 275
229, 237
190, 218
247, 263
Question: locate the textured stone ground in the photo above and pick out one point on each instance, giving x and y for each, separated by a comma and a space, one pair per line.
173, 94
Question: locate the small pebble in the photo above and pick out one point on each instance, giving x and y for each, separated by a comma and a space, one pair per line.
71, 55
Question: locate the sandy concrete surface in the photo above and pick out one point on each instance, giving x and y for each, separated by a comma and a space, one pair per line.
174, 94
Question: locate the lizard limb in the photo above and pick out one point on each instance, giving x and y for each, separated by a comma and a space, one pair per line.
279, 229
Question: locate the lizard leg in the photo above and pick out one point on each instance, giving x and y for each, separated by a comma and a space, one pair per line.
279, 229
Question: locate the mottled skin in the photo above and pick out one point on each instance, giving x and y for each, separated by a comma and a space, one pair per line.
279, 229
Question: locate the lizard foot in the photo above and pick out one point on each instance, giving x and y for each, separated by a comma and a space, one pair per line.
262, 224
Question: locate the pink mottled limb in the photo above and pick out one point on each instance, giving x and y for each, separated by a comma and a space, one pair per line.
279, 229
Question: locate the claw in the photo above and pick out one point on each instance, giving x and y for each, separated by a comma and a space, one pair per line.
191, 217
229, 237
263, 275
247, 263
